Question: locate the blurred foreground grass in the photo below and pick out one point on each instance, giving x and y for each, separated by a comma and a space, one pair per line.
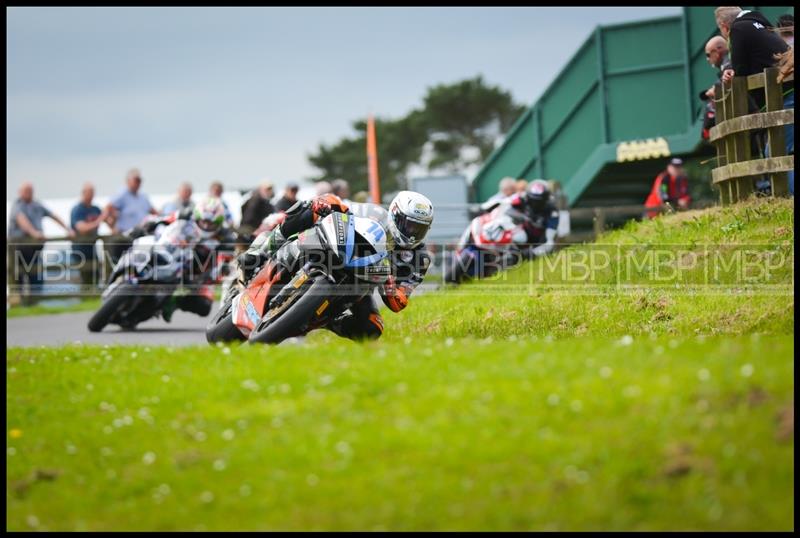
590, 433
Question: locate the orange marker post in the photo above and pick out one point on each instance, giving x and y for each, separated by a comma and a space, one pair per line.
372, 161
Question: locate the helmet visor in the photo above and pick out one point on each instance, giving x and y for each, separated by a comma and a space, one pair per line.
412, 230
537, 203
209, 225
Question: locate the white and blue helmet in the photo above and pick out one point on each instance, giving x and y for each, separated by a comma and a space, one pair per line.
410, 218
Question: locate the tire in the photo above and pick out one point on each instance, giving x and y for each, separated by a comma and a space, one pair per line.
221, 327
111, 306
297, 315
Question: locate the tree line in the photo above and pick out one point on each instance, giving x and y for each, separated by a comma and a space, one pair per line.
457, 126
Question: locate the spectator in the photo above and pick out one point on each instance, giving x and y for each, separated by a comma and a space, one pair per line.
215, 191
670, 187
258, 207
717, 57
521, 185
754, 47
125, 211
26, 239
361, 197
751, 43
85, 219
289, 197
129, 207
507, 187
182, 201
323, 187
786, 26
341, 188
786, 64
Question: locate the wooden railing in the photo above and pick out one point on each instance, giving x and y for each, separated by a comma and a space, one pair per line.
736, 167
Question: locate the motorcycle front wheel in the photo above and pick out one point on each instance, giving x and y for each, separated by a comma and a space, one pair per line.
221, 327
295, 314
111, 306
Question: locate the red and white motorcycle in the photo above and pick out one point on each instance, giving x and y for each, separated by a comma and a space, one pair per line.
489, 244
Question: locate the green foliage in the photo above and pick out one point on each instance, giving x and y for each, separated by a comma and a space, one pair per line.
469, 113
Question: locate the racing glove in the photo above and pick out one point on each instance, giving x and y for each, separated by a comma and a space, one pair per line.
394, 296
322, 206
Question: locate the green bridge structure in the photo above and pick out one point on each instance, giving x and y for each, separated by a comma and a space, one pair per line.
627, 100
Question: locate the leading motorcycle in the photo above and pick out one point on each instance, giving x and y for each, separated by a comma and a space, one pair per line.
307, 284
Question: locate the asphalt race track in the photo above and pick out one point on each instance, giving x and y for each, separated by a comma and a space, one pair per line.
58, 329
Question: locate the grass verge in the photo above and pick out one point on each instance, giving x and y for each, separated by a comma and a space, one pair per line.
85, 305
590, 433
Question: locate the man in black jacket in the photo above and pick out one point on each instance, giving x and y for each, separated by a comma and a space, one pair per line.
753, 45
289, 197
257, 207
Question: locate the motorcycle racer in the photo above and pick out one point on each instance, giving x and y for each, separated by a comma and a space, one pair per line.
204, 227
408, 220
538, 215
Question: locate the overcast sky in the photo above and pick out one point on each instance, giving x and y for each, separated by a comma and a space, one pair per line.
240, 94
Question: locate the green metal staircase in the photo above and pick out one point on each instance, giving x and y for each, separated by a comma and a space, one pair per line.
626, 100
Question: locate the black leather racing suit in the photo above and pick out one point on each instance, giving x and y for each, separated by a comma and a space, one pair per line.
409, 266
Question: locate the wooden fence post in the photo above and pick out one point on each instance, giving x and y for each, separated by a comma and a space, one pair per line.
730, 148
776, 135
741, 141
599, 221
721, 145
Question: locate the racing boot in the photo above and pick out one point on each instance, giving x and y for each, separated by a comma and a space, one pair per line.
169, 308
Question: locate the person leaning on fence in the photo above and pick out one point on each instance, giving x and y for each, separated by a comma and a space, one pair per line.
671, 188
289, 197
752, 44
183, 200
85, 219
257, 208
717, 57
323, 187
341, 188
754, 47
506, 187
26, 239
125, 211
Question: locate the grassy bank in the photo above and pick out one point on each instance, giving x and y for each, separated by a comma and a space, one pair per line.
717, 271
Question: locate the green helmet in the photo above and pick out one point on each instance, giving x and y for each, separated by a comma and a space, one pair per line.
209, 215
